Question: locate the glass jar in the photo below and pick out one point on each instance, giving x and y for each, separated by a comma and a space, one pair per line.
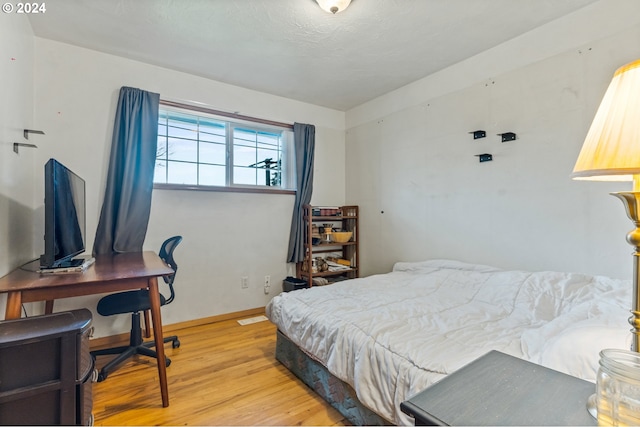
618, 388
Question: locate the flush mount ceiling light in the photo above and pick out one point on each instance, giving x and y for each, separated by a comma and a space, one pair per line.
333, 6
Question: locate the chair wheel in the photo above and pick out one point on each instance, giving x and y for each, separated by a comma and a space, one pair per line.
167, 362
101, 377
175, 344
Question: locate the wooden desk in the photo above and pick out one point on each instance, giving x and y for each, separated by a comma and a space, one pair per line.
497, 389
110, 273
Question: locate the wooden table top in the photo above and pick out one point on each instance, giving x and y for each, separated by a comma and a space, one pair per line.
106, 268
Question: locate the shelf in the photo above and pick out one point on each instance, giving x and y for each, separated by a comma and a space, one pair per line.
347, 221
306, 274
329, 218
333, 244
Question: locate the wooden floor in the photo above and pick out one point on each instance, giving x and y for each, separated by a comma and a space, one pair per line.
222, 374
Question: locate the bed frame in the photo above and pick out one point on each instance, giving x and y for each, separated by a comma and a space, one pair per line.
336, 392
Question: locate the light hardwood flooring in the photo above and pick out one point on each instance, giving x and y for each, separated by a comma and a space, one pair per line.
222, 374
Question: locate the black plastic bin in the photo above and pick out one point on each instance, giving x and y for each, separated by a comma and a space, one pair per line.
293, 283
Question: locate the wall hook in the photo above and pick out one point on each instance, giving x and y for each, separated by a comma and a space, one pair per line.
486, 157
28, 131
508, 136
20, 144
477, 134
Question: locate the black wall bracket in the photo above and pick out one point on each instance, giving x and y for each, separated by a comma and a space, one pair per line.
508, 136
477, 134
486, 157
26, 133
20, 144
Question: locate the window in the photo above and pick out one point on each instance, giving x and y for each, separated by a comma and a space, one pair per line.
196, 149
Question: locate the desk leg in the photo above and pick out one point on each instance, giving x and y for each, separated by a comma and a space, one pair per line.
14, 304
154, 299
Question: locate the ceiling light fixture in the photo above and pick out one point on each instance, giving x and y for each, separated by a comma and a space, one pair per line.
333, 6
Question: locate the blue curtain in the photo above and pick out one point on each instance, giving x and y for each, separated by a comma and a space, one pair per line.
304, 137
127, 200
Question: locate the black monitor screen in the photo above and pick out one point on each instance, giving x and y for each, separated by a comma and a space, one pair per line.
64, 206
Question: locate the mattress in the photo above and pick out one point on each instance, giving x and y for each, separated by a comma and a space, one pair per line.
391, 335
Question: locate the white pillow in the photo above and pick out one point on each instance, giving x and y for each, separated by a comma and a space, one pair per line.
576, 351
441, 264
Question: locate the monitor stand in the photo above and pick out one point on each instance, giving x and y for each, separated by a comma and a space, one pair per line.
75, 262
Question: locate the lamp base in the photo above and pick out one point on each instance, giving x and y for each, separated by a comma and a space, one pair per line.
631, 201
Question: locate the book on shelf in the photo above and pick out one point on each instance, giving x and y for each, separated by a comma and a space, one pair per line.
326, 211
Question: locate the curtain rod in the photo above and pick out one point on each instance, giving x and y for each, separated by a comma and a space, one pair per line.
224, 114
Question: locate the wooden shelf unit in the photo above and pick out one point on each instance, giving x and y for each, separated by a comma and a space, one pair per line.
346, 220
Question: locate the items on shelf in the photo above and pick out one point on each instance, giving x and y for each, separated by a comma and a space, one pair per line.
326, 211
339, 260
334, 266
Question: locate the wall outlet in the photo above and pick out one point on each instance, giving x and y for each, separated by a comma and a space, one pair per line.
267, 284
244, 282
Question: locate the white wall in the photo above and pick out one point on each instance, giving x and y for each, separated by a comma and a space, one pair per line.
16, 113
410, 155
226, 235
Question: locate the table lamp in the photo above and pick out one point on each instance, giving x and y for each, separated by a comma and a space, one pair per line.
611, 152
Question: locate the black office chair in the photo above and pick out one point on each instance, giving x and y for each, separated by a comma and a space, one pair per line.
134, 302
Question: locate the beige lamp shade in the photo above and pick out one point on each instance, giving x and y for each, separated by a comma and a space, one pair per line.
333, 6
611, 150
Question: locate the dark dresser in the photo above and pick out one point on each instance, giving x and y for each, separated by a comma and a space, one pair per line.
46, 370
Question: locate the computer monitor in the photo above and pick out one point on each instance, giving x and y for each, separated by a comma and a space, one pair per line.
64, 216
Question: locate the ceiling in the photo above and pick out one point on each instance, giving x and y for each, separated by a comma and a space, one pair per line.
294, 49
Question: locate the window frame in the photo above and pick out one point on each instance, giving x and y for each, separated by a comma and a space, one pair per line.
237, 120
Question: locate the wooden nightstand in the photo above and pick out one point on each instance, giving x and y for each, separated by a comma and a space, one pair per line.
498, 389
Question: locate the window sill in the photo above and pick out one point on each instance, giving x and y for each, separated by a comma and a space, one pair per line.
222, 189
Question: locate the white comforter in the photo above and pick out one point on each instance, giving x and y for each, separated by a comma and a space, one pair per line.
392, 335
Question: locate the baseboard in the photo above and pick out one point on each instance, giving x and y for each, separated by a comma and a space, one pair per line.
122, 339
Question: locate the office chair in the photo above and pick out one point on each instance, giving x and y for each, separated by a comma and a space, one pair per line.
134, 302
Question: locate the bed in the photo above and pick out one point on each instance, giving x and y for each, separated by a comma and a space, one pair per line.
386, 337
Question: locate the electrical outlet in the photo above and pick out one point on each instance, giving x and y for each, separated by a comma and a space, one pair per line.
267, 284
244, 282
